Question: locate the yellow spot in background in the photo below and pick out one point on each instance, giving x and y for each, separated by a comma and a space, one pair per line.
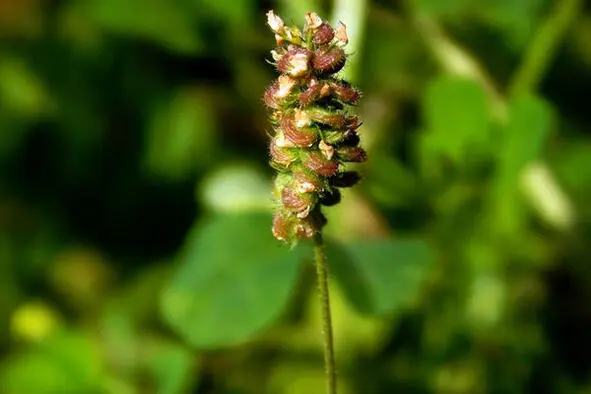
34, 321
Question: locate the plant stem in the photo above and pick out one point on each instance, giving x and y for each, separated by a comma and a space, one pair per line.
542, 49
322, 273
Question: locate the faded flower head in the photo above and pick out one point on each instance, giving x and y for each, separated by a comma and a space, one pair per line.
315, 133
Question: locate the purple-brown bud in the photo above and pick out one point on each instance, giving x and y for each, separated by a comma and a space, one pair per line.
329, 61
351, 154
323, 34
300, 136
319, 164
345, 92
297, 203
280, 152
306, 183
314, 93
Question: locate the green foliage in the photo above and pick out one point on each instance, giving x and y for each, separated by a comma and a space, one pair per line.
234, 280
380, 277
135, 247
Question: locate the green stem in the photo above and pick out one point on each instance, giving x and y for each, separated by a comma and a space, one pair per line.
542, 49
322, 273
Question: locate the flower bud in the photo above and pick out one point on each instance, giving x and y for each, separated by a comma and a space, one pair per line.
300, 136
317, 163
323, 34
298, 203
351, 154
345, 92
329, 61
281, 154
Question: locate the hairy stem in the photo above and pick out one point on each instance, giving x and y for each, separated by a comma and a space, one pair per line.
322, 273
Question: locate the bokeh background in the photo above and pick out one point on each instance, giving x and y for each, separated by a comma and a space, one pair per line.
135, 254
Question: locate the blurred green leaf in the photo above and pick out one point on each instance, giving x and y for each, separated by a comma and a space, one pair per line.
528, 127
166, 22
234, 11
173, 367
68, 363
457, 119
380, 276
182, 136
233, 281
21, 90
235, 187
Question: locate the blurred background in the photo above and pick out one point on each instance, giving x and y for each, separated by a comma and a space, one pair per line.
135, 254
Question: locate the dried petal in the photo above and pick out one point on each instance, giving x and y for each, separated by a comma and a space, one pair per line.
341, 33
295, 62
327, 150
275, 23
313, 21
281, 155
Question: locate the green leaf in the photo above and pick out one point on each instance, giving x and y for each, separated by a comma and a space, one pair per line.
529, 123
234, 280
457, 119
182, 136
172, 367
68, 363
166, 22
380, 276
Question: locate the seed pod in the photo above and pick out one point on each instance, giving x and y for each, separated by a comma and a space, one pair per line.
352, 154
329, 61
317, 163
323, 34
282, 226
306, 183
330, 198
345, 92
351, 138
345, 179
300, 136
297, 203
281, 155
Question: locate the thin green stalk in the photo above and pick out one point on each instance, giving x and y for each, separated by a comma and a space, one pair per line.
542, 49
322, 273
